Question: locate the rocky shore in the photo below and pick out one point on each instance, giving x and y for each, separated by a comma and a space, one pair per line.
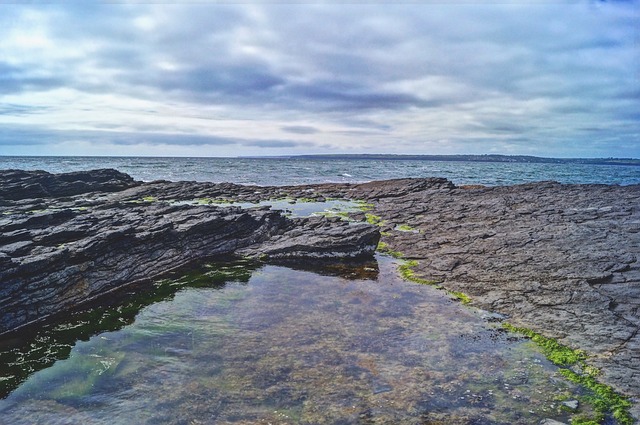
562, 260
68, 239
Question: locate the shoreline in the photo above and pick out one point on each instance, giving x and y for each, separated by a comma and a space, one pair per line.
562, 260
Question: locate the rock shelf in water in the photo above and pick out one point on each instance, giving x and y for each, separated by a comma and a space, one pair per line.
562, 260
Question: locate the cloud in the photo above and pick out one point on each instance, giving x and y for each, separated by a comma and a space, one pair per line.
419, 77
300, 129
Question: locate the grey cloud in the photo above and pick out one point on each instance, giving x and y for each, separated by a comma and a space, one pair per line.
20, 110
300, 129
272, 143
15, 80
353, 64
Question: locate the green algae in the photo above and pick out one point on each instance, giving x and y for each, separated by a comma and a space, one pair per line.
374, 219
364, 206
603, 398
559, 354
464, 298
384, 248
406, 228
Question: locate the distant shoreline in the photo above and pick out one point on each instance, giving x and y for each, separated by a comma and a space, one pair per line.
495, 158
522, 159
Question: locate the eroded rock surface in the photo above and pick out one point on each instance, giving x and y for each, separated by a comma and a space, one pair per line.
560, 259
58, 253
563, 260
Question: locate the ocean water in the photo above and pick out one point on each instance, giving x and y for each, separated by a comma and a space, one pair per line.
289, 171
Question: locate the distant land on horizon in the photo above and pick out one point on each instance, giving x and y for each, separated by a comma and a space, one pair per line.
524, 159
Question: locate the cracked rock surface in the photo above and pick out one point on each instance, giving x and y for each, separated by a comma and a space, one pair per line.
563, 260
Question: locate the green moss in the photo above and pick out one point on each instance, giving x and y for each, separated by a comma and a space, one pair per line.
149, 199
602, 397
407, 273
557, 353
384, 248
405, 228
585, 420
464, 298
212, 201
374, 219
306, 200
364, 206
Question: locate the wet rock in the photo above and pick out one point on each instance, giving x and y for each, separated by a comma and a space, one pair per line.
79, 248
551, 422
560, 259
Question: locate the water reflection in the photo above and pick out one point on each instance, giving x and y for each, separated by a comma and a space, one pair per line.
273, 344
39, 347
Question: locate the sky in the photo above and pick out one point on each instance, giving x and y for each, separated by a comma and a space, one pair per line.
554, 79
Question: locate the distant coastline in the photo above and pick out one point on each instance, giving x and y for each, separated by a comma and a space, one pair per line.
522, 159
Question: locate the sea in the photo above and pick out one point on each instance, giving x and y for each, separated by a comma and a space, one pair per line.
292, 170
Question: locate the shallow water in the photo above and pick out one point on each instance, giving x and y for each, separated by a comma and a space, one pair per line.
271, 344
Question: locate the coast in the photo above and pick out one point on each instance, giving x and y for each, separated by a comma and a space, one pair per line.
561, 260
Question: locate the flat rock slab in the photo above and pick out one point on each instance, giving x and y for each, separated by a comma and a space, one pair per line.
563, 260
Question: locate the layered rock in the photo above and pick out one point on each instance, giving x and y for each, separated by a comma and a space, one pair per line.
563, 260
58, 253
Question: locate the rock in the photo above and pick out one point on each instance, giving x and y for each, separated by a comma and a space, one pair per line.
559, 259
571, 404
563, 260
80, 248
551, 422
18, 184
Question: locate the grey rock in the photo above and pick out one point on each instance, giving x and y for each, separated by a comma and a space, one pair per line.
551, 422
571, 404
79, 248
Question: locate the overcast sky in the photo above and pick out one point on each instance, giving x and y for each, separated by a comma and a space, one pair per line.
545, 78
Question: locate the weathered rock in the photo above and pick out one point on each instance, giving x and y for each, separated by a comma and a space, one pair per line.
563, 260
19, 184
80, 248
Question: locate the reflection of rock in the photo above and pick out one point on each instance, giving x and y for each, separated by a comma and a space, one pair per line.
58, 253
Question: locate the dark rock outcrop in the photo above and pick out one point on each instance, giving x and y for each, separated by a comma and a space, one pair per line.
19, 184
563, 260
58, 253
